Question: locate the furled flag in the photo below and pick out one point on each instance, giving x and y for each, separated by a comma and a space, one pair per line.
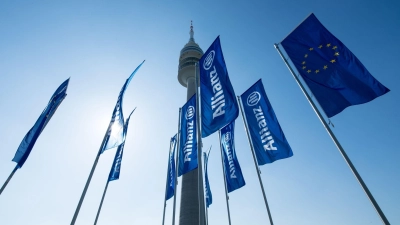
266, 134
332, 72
218, 103
233, 174
170, 185
30, 138
187, 140
116, 166
115, 133
207, 189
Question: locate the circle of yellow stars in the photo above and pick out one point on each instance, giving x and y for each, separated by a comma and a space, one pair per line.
316, 71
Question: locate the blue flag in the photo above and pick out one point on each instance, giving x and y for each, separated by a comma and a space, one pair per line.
115, 133
332, 72
207, 189
170, 186
116, 166
30, 138
188, 140
266, 134
233, 174
218, 103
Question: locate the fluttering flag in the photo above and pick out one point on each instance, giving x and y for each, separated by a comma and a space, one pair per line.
218, 103
233, 174
116, 166
207, 189
266, 134
30, 138
332, 72
188, 141
170, 185
115, 133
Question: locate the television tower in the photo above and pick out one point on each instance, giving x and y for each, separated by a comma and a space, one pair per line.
190, 204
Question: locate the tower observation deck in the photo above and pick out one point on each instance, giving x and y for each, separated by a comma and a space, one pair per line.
189, 209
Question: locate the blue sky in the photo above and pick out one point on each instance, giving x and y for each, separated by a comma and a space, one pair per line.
98, 45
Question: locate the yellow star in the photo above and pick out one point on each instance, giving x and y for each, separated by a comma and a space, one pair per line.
305, 56
320, 46
325, 67
334, 47
336, 53
308, 71
304, 62
311, 49
317, 71
332, 61
328, 45
304, 67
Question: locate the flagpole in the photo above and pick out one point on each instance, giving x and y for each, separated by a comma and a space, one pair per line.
78, 207
8, 179
223, 169
166, 182
255, 160
101, 202
176, 164
199, 151
341, 150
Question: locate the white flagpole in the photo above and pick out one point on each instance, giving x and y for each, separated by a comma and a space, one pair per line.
166, 182
202, 209
176, 164
8, 179
101, 202
338, 145
224, 174
255, 160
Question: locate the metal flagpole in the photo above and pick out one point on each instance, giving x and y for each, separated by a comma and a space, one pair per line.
78, 207
8, 179
176, 164
199, 151
255, 160
101, 203
341, 150
224, 173
166, 182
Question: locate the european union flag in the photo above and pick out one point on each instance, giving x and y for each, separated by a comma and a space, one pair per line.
332, 72
116, 166
30, 138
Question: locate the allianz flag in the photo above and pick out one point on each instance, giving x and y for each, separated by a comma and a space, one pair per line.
116, 166
218, 103
233, 174
170, 186
188, 140
115, 133
207, 189
266, 134
332, 72
30, 138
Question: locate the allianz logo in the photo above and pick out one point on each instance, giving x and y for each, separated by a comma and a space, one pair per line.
227, 137
253, 98
208, 61
190, 113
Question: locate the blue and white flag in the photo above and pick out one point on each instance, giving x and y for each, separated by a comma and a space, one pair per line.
188, 141
115, 133
116, 166
233, 174
207, 189
30, 138
170, 185
218, 102
266, 134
